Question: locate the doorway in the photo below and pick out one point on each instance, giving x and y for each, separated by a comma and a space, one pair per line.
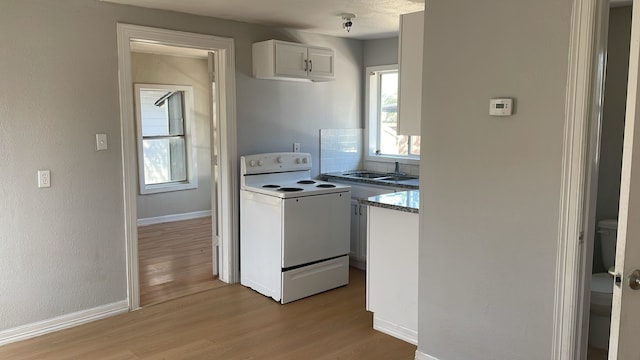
607, 194
222, 185
174, 97
585, 96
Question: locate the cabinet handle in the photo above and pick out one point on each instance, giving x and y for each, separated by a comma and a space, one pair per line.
360, 207
306, 65
310, 66
355, 209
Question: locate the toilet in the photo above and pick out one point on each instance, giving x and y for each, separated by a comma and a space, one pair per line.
602, 287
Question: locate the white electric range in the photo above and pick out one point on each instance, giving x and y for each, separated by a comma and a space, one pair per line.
294, 231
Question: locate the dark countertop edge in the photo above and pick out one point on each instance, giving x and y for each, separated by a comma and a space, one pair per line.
328, 177
388, 206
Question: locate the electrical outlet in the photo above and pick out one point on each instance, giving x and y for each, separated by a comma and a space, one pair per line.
296, 147
44, 178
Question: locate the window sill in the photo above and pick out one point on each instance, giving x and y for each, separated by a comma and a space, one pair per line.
161, 188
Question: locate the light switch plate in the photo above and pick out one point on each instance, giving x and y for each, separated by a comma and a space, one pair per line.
101, 142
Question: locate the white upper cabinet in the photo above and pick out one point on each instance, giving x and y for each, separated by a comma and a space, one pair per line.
274, 59
321, 63
289, 60
410, 73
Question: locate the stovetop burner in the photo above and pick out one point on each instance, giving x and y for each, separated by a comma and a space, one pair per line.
284, 176
290, 189
326, 186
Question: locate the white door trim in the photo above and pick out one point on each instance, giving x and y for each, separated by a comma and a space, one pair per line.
571, 284
228, 219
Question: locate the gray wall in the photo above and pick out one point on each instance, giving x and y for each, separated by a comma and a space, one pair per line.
273, 114
381, 52
490, 186
174, 70
62, 249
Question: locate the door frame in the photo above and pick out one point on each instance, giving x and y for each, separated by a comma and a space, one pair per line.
583, 112
225, 130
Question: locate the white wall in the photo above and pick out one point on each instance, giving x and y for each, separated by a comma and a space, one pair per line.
490, 186
62, 249
174, 70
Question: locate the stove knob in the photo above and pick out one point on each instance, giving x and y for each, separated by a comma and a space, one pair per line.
252, 163
280, 159
298, 161
260, 162
305, 160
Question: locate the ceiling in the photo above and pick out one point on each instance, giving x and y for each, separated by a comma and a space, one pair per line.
374, 19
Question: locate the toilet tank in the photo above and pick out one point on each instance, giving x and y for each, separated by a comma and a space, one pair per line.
608, 230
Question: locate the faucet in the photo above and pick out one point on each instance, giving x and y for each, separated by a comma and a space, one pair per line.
397, 169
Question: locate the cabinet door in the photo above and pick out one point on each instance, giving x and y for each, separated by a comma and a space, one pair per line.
410, 73
355, 230
291, 60
321, 63
362, 251
392, 272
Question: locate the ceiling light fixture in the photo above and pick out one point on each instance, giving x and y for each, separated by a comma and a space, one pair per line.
347, 22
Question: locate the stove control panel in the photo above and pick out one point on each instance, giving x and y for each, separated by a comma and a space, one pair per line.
275, 162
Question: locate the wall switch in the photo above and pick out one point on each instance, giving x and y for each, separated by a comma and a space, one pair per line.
296, 147
101, 142
44, 178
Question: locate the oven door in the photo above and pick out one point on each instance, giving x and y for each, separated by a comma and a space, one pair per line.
315, 228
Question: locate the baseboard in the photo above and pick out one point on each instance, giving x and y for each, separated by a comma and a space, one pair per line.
395, 330
62, 322
423, 356
173, 217
358, 264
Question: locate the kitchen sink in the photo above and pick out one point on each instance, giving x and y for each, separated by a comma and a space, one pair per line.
365, 174
379, 176
397, 178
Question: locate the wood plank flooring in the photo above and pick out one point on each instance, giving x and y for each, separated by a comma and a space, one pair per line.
175, 259
230, 322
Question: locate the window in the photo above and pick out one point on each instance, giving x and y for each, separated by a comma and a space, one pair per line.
164, 122
382, 118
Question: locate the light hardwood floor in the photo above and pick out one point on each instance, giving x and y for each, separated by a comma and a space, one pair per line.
231, 322
175, 259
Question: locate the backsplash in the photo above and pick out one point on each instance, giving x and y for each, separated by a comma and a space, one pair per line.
342, 150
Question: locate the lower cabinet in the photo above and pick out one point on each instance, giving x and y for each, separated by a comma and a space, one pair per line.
358, 254
392, 272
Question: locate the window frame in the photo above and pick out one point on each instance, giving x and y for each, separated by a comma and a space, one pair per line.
191, 181
372, 116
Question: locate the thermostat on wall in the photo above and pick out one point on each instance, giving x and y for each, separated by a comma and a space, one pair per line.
501, 107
